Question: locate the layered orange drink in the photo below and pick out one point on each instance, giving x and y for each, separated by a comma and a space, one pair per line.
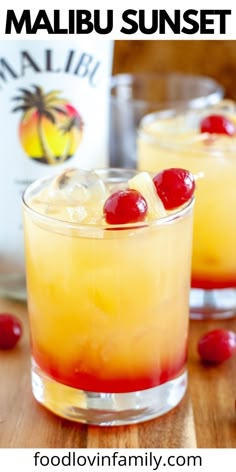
204, 142
108, 275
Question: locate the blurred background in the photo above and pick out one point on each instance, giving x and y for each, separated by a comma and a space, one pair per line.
216, 59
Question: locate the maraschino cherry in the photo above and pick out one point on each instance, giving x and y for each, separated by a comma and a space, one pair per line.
174, 186
217, 124
217, 345
10, 330
125, 206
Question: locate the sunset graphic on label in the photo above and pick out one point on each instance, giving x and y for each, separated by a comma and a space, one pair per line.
51, 128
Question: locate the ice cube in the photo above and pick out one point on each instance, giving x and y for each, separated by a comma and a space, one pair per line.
66, 213
77, 214
75, 196
79, 186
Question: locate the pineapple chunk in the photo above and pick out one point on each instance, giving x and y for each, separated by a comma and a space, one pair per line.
143, 183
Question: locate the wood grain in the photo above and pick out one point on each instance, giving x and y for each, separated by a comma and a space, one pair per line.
205, 418
216, 59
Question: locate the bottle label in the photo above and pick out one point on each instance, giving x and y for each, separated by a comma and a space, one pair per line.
53, 114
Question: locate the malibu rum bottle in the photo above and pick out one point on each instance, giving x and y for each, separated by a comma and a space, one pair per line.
53, 114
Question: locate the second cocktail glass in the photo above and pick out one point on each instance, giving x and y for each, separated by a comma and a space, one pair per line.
170, 139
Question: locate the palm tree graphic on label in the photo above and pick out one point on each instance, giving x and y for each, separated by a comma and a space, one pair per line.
51, 128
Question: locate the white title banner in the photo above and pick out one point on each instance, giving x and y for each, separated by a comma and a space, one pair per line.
121, 19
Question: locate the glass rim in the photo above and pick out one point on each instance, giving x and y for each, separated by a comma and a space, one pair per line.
171, 217
124, 79
168, 141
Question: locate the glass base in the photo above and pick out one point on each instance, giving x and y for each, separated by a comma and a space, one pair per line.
106, 409
214, 304
13, 286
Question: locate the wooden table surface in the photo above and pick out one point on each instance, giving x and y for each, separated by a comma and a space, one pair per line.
206, 417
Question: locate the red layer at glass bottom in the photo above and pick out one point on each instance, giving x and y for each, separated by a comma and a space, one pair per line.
202, 283
96, 383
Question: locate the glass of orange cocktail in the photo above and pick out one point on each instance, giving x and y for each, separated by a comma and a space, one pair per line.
204, 142
108, 303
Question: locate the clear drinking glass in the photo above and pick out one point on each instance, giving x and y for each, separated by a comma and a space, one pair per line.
170, 139
134, 95
108, 310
